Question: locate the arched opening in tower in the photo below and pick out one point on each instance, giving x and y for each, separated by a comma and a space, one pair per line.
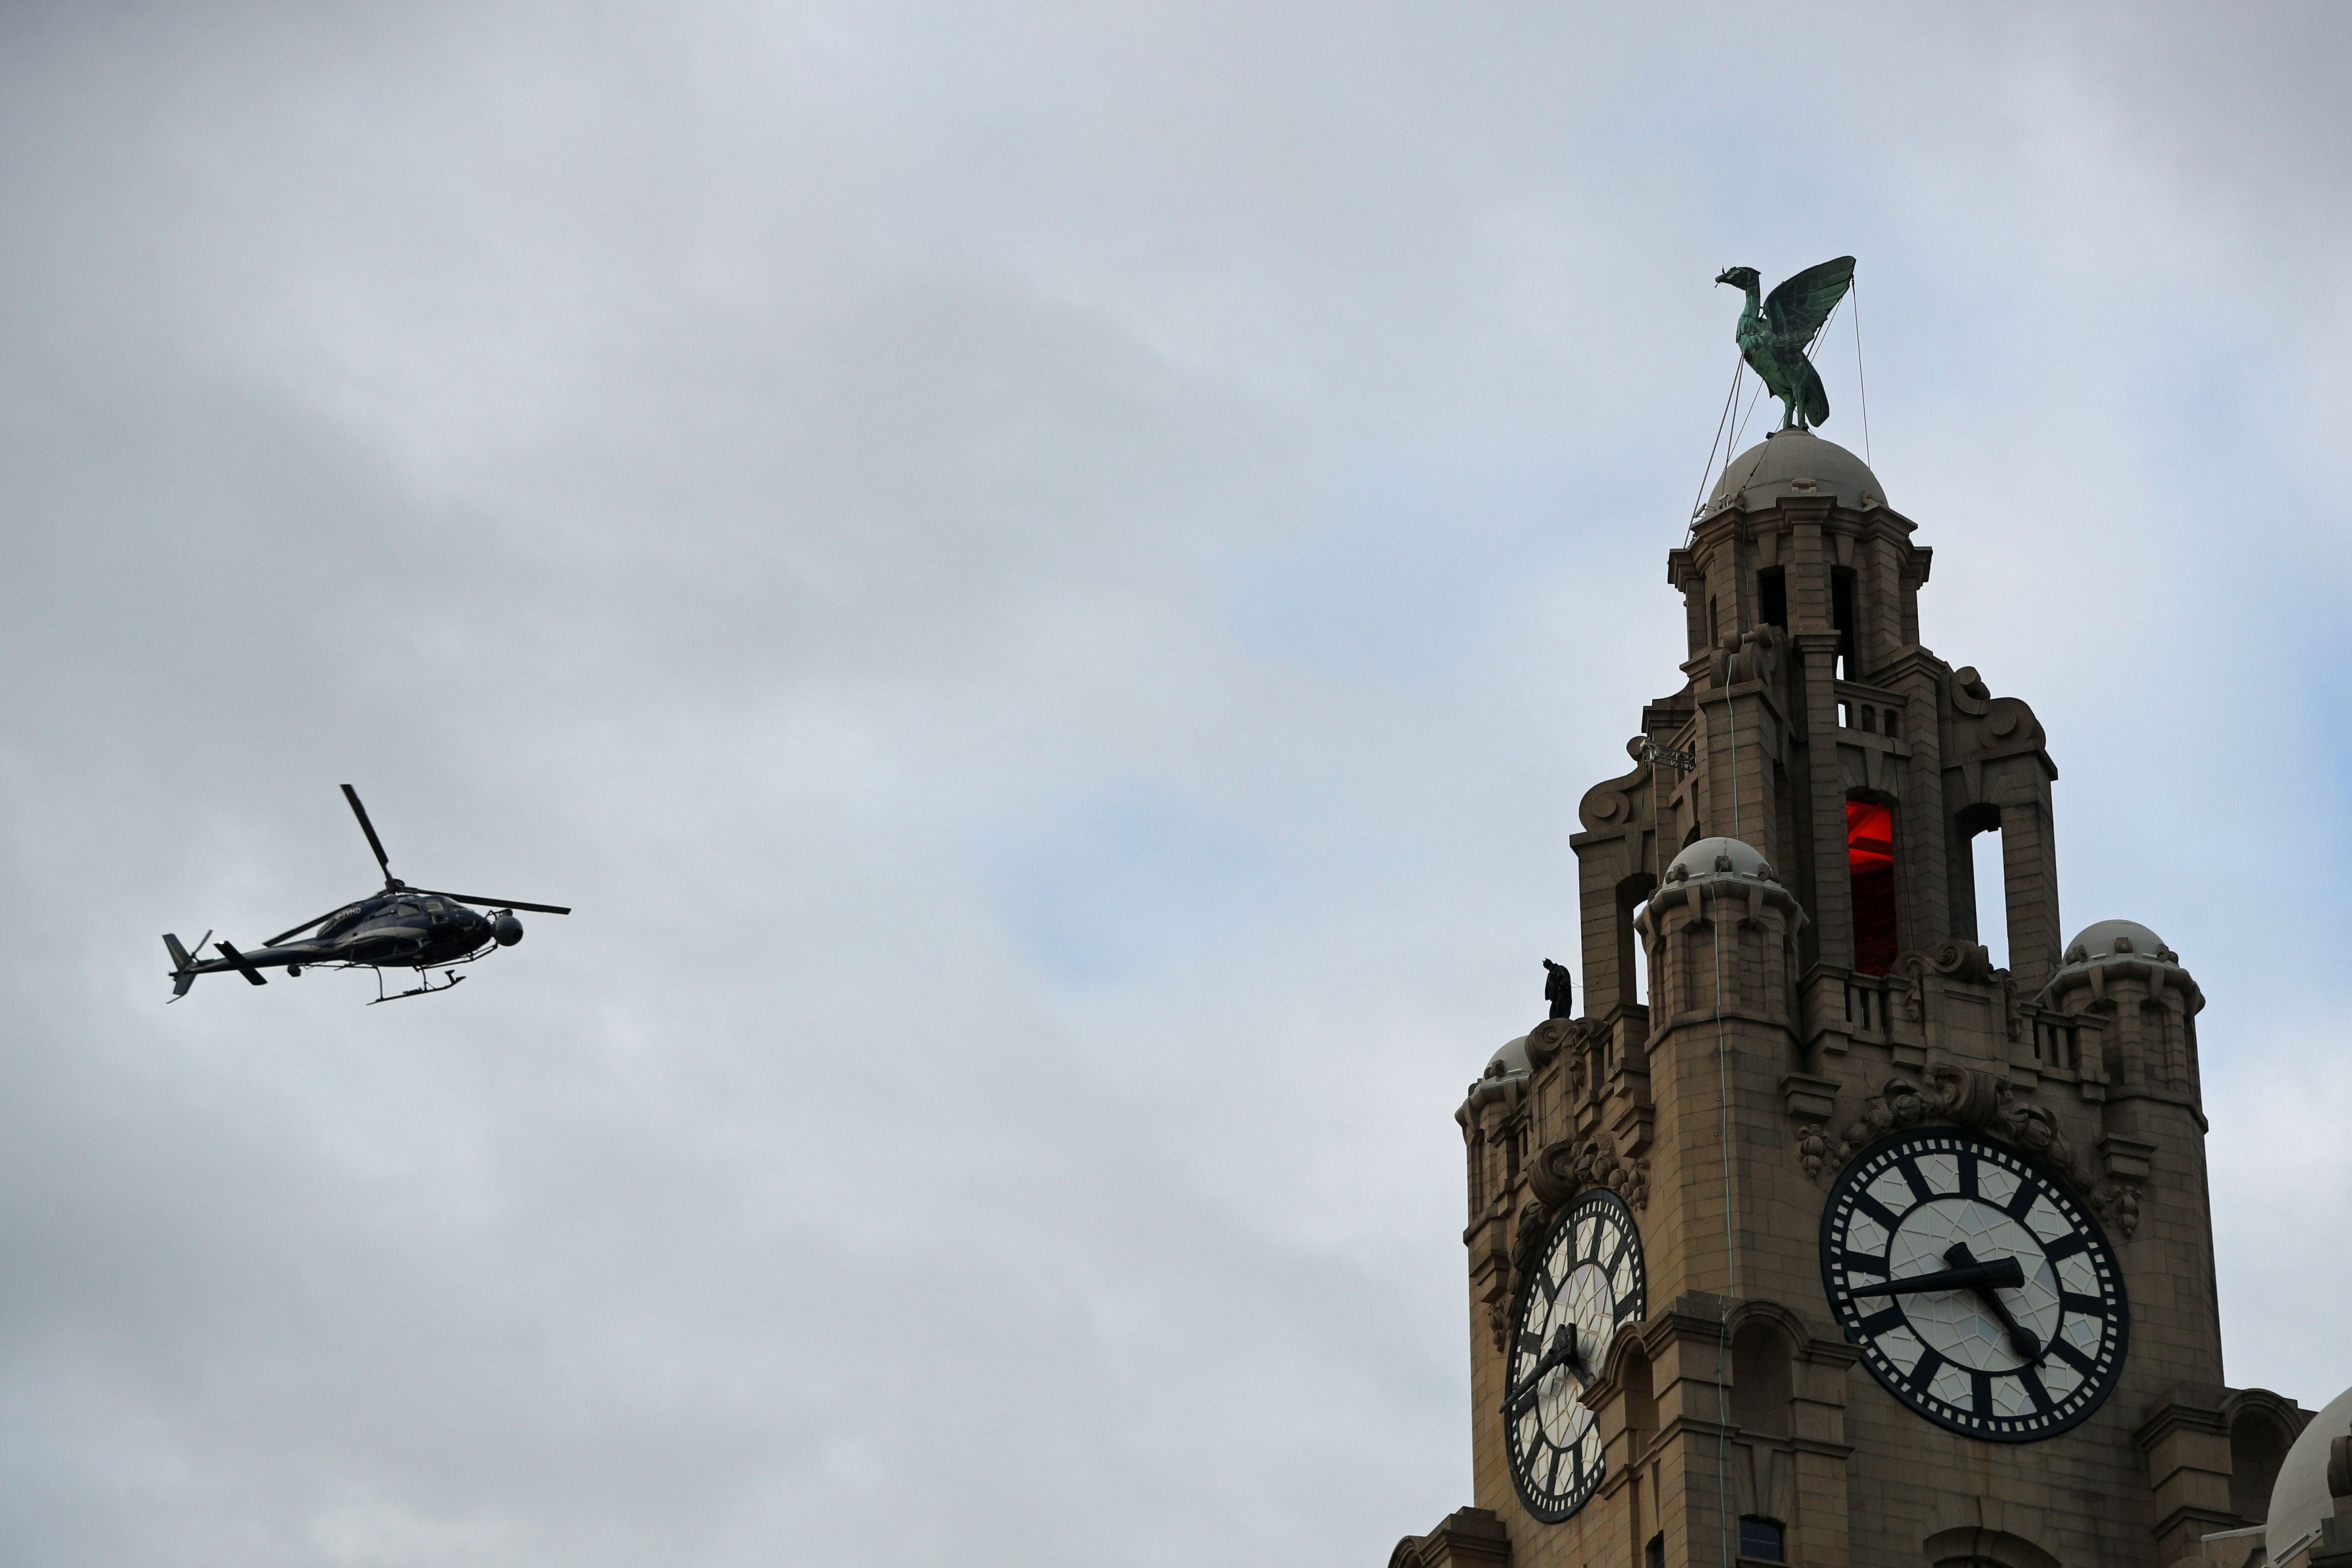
1870, 863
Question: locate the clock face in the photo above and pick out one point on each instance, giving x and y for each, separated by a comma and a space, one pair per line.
1984, 1294
1586, 1284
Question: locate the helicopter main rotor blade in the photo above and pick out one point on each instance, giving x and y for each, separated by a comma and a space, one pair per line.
495, 903
368, 827
306, 925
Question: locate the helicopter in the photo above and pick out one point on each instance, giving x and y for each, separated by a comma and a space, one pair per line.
400, 928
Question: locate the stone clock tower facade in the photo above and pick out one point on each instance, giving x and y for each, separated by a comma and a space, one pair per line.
1816, 1239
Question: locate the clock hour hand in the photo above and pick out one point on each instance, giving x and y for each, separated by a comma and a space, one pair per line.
2021, 1340
1561, 1352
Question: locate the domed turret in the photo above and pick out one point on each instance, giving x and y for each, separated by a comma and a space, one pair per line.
1795, 462
2110, 940
1711, 857
1713, 883
1510, 1060
2123, 971
2302, 1500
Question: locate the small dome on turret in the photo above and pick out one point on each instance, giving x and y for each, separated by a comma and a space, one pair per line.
1720, 857
1795, 462
1511, 1059
2301, 1499
2118, 939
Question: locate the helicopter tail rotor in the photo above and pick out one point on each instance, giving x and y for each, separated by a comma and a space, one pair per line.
183, 967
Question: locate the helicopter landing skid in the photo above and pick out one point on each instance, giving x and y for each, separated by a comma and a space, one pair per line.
449, 982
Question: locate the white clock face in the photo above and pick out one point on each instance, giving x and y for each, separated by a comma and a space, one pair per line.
1984, 1294
1586, 1284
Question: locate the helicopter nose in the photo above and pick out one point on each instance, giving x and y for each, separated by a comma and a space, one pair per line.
507, 930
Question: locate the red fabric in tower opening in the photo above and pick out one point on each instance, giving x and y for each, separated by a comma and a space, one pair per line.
1870, 862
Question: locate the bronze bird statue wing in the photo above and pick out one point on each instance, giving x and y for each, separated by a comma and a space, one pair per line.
1774, 333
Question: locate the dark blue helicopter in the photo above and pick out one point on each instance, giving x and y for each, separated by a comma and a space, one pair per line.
400, 928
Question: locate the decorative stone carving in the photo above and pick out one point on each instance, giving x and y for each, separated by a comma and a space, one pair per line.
1972, 1098
1613, 805
1812, 1149
2118, 1202
1559, 1170
1566, 1166
1551, 1037
1575, 1036
1528, 1236
1760, 654
1960, 960
1524, 1240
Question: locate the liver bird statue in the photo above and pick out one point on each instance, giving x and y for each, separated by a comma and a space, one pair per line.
1774, 335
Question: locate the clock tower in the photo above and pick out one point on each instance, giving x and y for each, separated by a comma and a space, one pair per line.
1817, 1238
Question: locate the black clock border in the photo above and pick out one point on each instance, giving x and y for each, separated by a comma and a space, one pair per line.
2059, 1183
1552, 1510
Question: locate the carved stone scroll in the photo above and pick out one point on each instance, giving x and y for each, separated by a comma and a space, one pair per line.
1970, 1097
1567, 1166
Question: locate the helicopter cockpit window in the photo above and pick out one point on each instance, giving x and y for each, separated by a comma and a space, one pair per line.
432, 904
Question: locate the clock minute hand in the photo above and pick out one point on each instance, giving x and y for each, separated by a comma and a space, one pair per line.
1561, 1352
1971, 1276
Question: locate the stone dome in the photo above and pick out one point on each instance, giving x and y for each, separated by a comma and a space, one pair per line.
1511, 1058
2300, 1500
1795, 462
1720, 857
2118, 939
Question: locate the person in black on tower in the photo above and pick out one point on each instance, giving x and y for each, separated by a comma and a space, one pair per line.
1558, 989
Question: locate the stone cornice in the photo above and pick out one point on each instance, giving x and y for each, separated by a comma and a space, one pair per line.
2155, 973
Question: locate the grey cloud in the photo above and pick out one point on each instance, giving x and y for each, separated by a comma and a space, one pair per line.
1047, 584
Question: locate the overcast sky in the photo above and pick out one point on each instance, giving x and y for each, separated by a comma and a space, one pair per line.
1048, 579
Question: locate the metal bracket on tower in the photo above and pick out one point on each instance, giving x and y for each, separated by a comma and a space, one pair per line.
1650, 751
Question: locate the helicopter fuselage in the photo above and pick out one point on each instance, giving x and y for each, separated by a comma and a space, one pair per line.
400, 931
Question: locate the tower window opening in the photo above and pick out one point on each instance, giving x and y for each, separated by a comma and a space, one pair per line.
1633, 957
1763, 1539
1991, 880
1714, 631
2257, 1449
1772, 596
2055, 1044
1845, 715
1869, 720
1893, 730
1870, 866
1654, 1554
1760, 1380
1841, 619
